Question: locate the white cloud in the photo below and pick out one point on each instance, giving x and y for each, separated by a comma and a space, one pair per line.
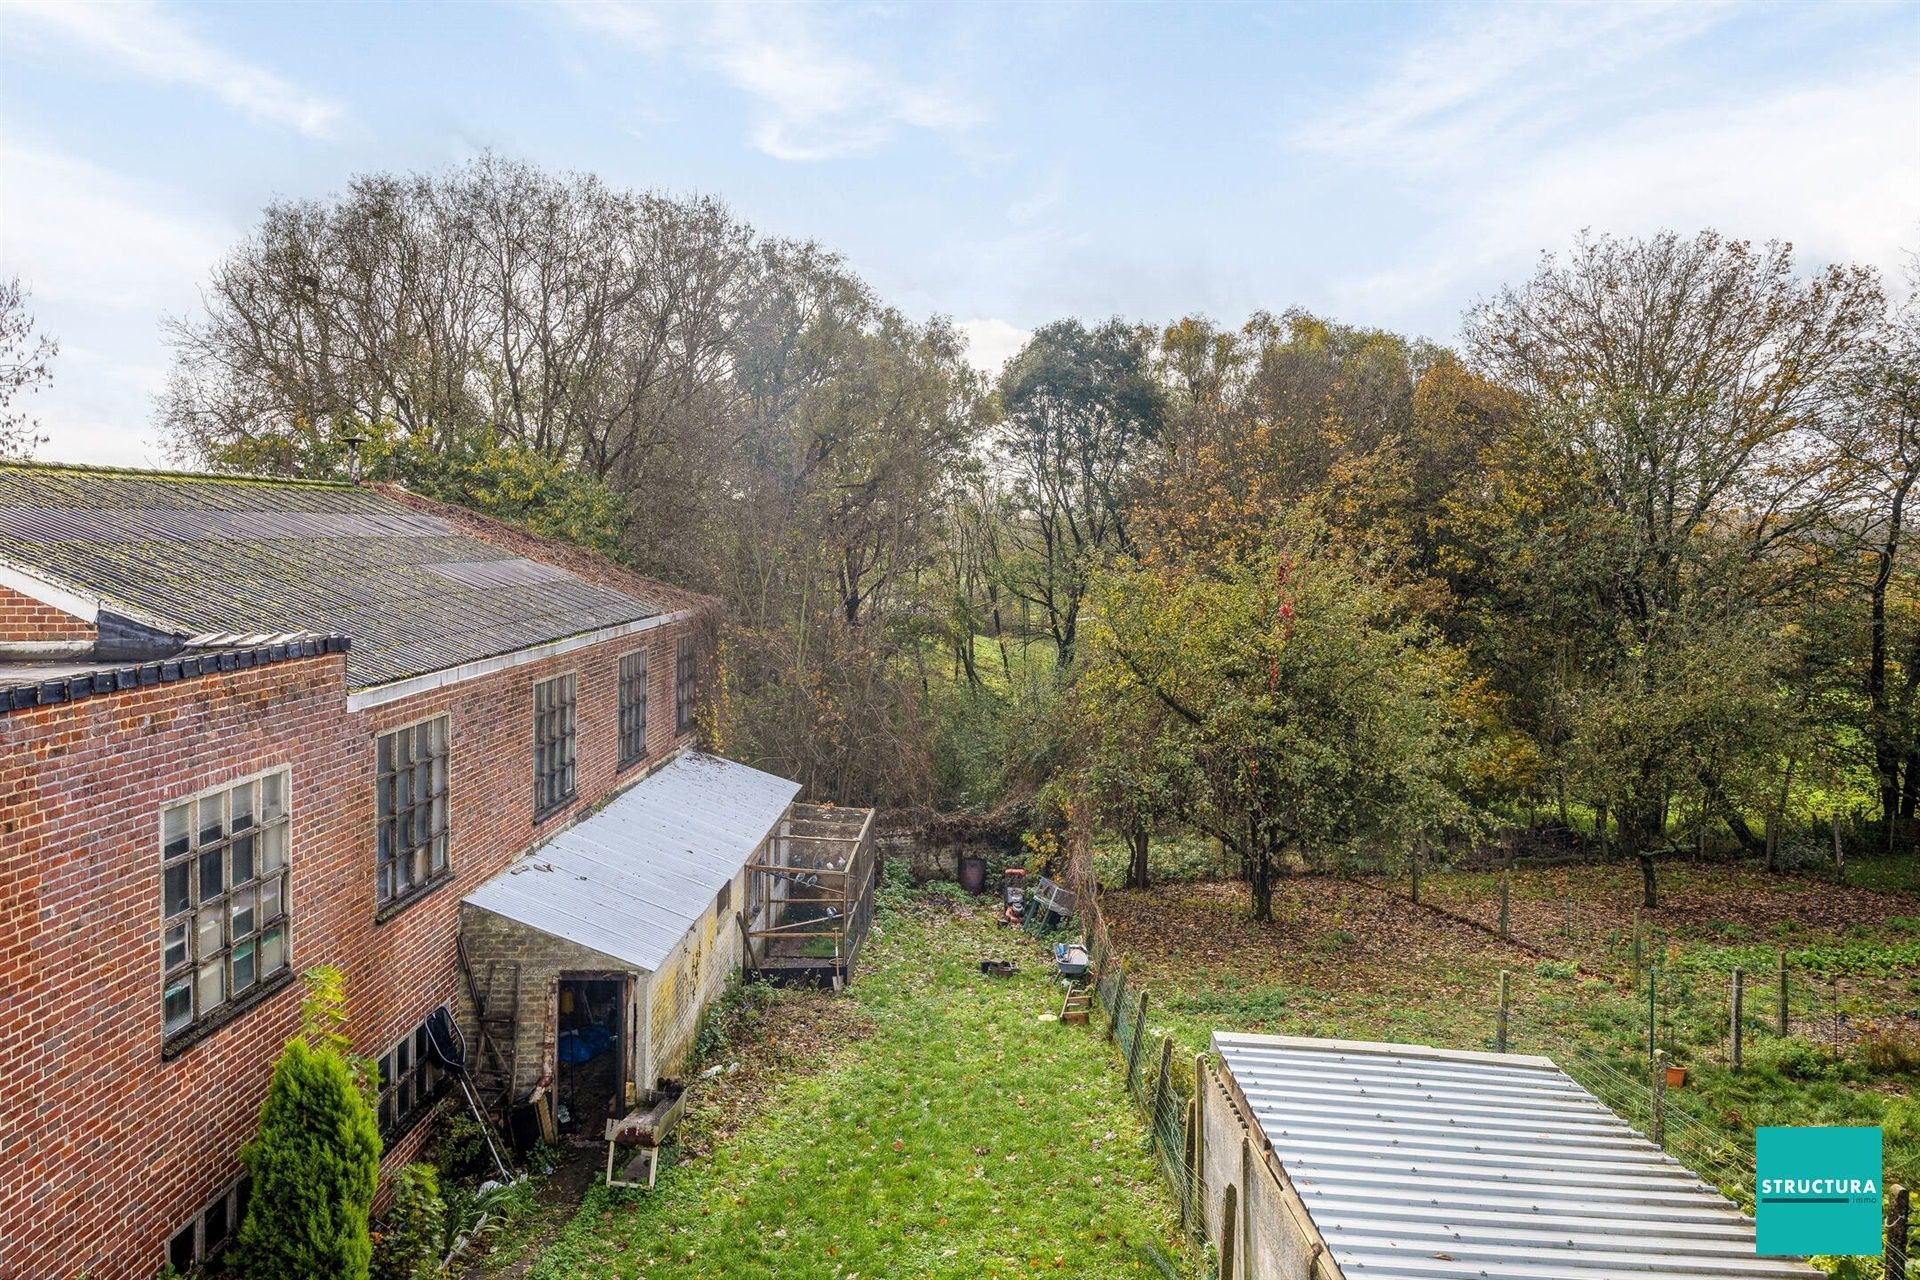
104, 259
992, 342
815, 97
1833, 167
1492, 75
139, 37
76, 233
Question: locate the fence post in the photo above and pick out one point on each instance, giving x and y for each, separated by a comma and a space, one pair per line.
1139, 1034
1895, 1255
1419, 856
1653, 1010
1781, 997
1197, 1117
1119, 1002
1636, 946
1500, 1027
1160, 1083
1738, 991
1658, 1125
1506, 895
1189, 1163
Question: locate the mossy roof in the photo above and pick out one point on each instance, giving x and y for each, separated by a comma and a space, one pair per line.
415, 591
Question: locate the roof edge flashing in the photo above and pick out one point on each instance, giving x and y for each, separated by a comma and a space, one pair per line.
1381, 1048
380, 695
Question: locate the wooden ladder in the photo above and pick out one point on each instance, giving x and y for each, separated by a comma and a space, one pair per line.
1077, 1008
496, 1012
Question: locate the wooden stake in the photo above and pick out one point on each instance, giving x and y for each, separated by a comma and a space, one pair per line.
1734, 1030
1635, 942
1139, 1034
1899, 1208
1500, 1028
1419, 855
1781, 995
1506, 894
1160, 1084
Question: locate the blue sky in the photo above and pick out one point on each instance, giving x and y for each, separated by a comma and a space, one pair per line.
1003, 164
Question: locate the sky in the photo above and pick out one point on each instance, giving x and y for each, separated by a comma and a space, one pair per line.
1001, 164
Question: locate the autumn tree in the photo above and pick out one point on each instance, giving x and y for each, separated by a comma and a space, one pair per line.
1661, 497
1307, 711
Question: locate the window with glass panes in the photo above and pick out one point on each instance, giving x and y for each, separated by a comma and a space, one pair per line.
683, 685
411, 806
409, 1083
553, 733
223, 897
211, 1231
633, 708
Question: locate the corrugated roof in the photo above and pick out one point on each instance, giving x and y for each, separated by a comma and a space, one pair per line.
630, 881
1429, 1164
193, 554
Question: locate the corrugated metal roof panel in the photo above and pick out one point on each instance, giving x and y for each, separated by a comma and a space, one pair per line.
1428, 1164
631, 880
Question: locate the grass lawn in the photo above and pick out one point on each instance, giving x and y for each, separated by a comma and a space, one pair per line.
934, 1127
1356, 959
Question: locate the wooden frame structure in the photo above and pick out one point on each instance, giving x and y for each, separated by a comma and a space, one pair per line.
816, 878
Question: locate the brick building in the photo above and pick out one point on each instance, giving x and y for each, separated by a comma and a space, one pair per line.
250, 727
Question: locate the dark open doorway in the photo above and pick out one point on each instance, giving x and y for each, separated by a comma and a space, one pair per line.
590, 1053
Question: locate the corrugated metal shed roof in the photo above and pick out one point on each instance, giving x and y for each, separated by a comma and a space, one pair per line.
191, 554
1430, 1164
630, 881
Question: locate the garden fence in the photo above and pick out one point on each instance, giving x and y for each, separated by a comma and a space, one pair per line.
1678, 1001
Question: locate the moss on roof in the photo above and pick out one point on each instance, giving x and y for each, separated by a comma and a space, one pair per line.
198, 553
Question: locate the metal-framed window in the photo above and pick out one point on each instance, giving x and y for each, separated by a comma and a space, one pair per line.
410, 781
213, 1229
410, 1083
633, 707
683, 685
224, 903
553, 743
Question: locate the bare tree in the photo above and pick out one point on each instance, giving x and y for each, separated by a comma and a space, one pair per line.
26, 360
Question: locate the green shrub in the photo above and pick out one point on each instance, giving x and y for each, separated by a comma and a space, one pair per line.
1794, 1058
408, 1247
315, 1163
1556, 969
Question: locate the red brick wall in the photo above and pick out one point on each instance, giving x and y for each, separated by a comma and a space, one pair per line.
106, 1148
24, 618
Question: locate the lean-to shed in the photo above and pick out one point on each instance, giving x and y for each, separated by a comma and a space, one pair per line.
590, 961
1334, 1158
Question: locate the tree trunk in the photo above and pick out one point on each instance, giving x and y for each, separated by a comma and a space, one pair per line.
1263, 884
1137, 877
1649, 887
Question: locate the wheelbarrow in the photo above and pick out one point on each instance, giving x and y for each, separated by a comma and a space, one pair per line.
1071, 960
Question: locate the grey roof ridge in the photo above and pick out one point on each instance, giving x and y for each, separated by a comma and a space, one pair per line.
157, 473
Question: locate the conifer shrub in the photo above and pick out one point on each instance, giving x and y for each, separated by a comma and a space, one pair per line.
315, 1161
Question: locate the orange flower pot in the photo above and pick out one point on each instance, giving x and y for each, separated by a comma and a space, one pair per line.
1676, 1077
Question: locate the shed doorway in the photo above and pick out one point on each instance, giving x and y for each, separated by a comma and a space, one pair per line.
590, 1076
